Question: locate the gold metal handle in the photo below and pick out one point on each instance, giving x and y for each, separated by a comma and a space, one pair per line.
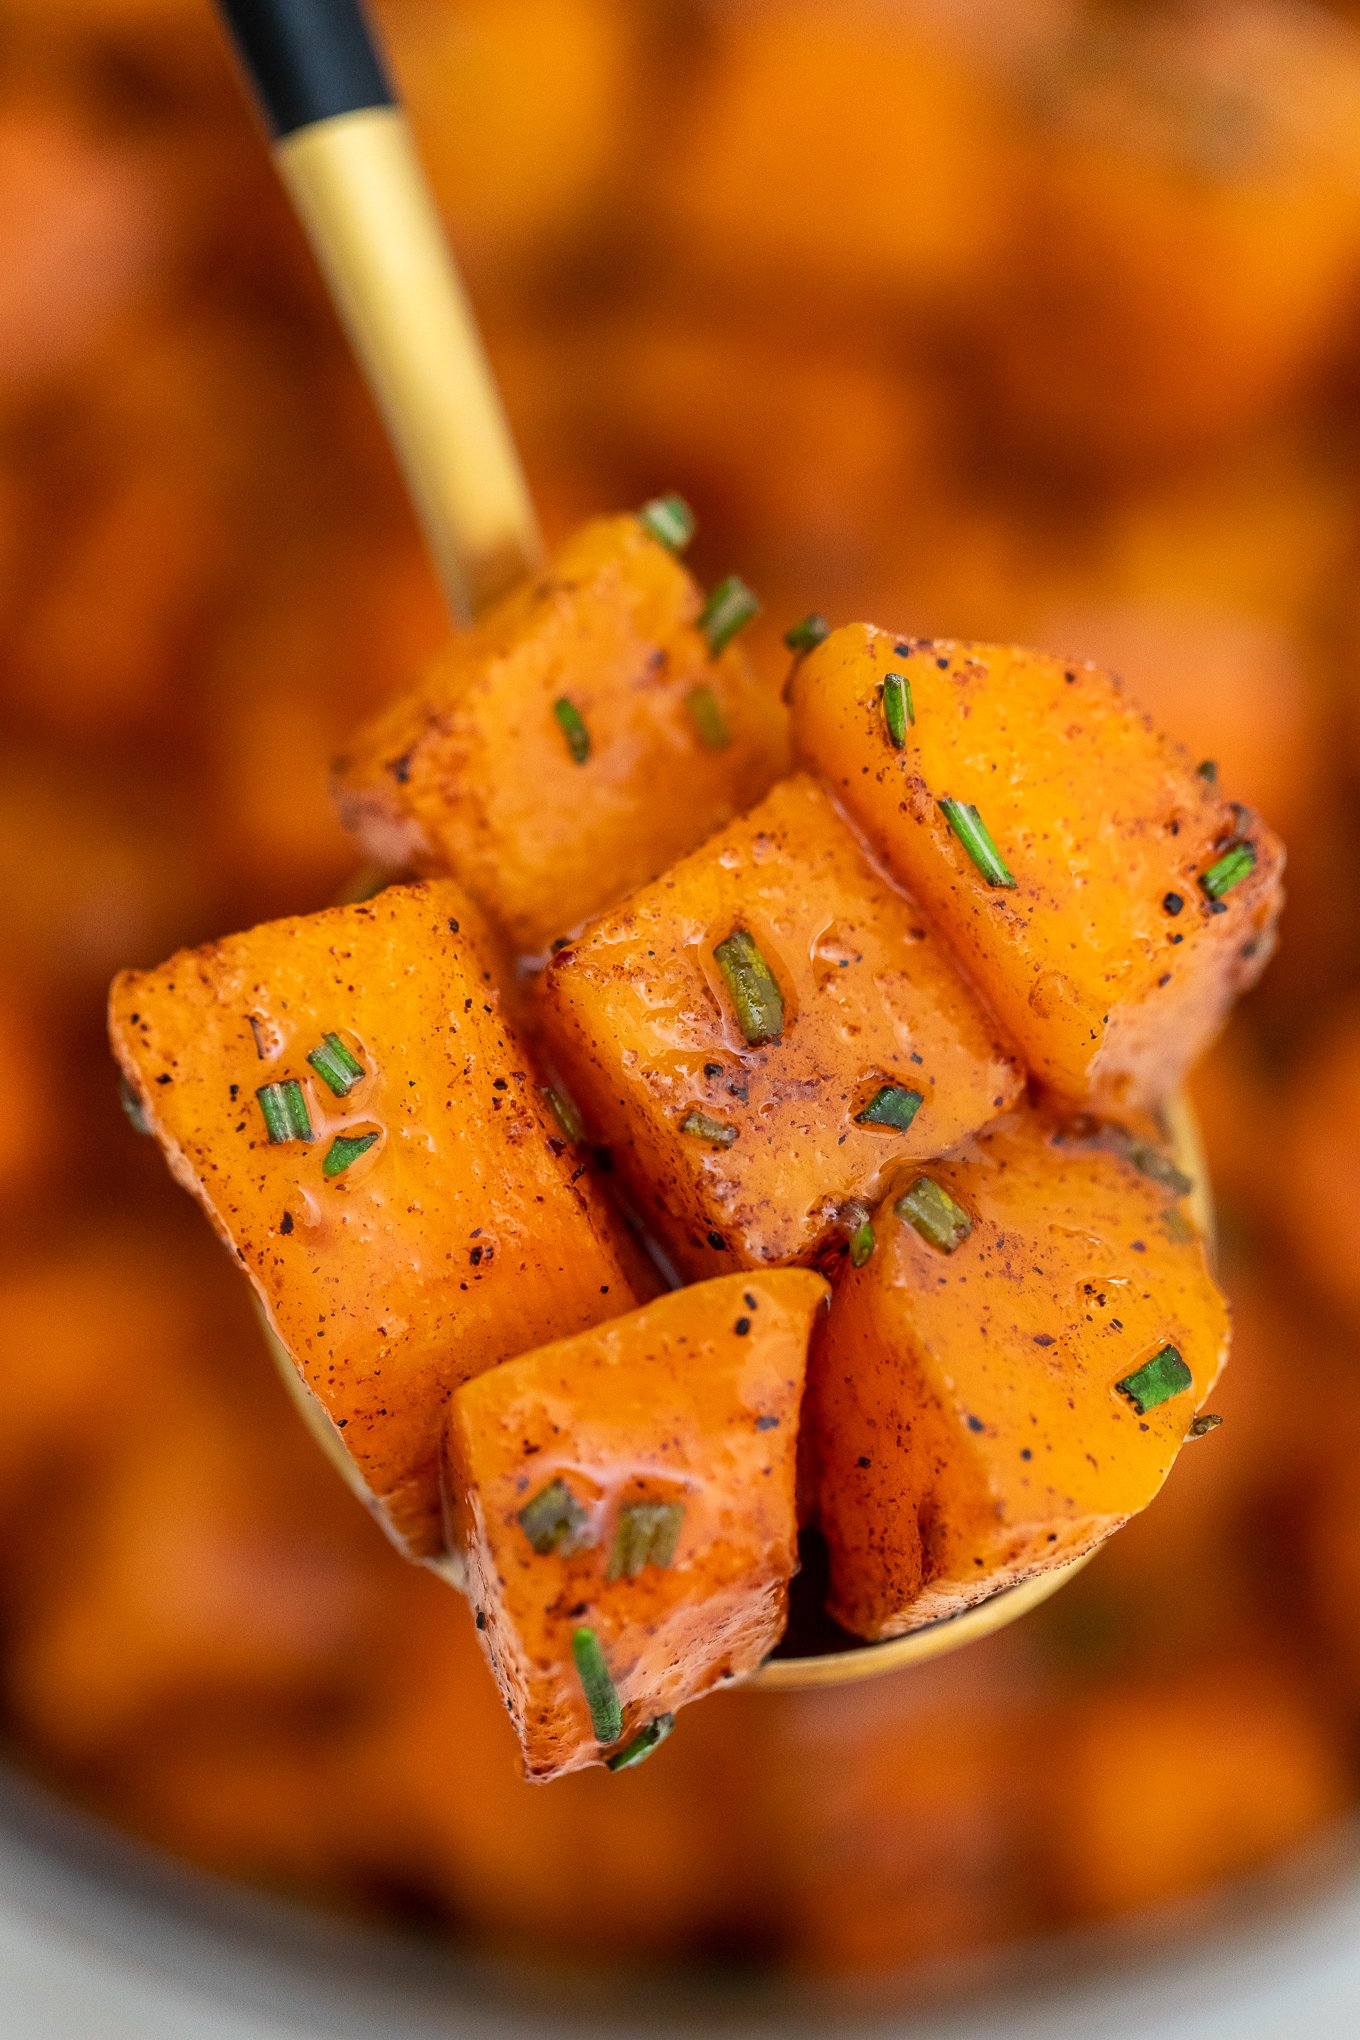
358, 188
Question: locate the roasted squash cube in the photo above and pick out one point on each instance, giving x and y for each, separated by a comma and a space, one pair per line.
761, 1034
564, 751
1106, 899
1009, 1375
342, 1094
625, 1512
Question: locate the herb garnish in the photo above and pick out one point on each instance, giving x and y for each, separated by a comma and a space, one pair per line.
344, 1149
728, 609
334, 1064
892, 1105
932, 1212
752, 986
806, 635
606, 1714
555, 1521
670, 521
644, 1742
1163, 1376
285, 1111
573, 727
1236, 863
647, 1534
716, 1131
897, 708
968, 825
708, 719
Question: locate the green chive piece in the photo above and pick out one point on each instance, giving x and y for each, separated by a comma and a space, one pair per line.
716, 1131
728, 609
644, 1742
898, 711
555, 1521
564, 1112
573, 727
862, 1243
808, 634
933, 1213
752, 986
285, 1111
344, 1149
1203, 1425
706, 713
1232, 867
1162, 1377
606, 1715
893, 1105
133, 1106
647, 1534
968, 825
335, 1066
670, 521
1208, 769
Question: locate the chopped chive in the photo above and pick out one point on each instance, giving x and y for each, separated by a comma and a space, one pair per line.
257, 1036
1177, 1226
968, 825
344, 1149
670, 521
1204, 1424
285, 1111
1232, 867
606, 1715
1163, 1376
1207, 769
754, 991
555, 1521
564, 1112
133, 1106
573, 727
805, 636
892, 1105
728, 609
707, 716
644, 1742
862, 1243
897, 708
647, 1534
335, 1065
716, 1131
934, 1215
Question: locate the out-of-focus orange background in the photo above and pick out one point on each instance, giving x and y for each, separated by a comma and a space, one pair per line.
1024, 319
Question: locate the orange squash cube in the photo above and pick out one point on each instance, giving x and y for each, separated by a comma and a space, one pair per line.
1009, 1375
1106, 899
764, 1032
626, 1512
570, 746
343, 1096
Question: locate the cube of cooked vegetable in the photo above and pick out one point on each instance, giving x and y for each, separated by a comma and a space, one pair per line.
402, 1236
626, 1512
1105, 898
564, 751
1009, 1376
766, 1030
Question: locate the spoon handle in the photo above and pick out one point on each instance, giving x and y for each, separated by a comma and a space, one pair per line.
343, 147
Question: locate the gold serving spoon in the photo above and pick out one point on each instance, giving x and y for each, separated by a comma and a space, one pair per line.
343, 147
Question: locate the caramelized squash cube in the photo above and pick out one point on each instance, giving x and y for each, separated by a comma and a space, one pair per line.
570, 746
626, 1512
761, 1034
422, 1225
993, 1396
1106, 899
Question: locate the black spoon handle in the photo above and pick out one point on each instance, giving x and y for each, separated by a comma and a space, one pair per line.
307, 59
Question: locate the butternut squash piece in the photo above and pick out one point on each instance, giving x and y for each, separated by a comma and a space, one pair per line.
1009, 1375
342, 1094
569, 747
761, 1034
1106, 899
625, 1507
